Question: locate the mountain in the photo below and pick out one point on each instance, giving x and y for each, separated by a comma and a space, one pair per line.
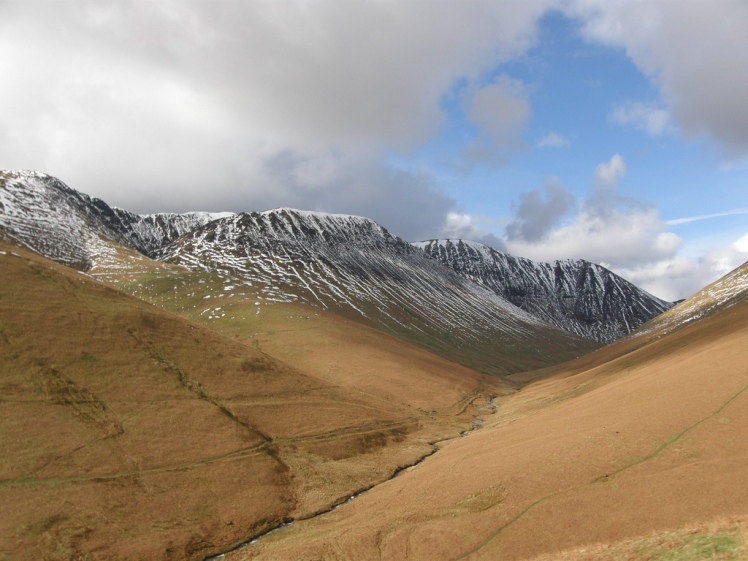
575, 295
40, 212
356, 268
284, 386
349, 265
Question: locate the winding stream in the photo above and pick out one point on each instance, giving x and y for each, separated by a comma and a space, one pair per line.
477, 423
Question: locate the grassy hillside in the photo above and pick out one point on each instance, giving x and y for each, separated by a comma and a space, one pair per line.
638, 448
127, 432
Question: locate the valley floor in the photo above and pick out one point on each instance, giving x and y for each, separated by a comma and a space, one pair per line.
596, 457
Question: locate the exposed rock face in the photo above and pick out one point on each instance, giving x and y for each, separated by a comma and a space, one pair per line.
575, 295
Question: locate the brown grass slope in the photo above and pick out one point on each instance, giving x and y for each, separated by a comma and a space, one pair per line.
127, 432
332, 348
636, 438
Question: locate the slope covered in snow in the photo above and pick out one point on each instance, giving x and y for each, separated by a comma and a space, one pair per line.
720, 295
575, 295
41, 213
355, 267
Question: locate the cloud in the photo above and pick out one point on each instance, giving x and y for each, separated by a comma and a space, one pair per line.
473, 228
680, 277
741, 245
407, 204
501, 111
535, 215
607, 174
696, 53
185, 104
689, 219
553, 140
618, 232
652, 119
596, 229
598, 238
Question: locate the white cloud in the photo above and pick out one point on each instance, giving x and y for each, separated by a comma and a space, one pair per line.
696, 53
680, 277
645, 116
460, 225
623, 234
553, 140
607, 174
635, 244
689, 219
741, 245
599, 238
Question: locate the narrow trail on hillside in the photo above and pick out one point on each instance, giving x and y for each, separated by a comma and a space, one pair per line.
477, 423
656, 453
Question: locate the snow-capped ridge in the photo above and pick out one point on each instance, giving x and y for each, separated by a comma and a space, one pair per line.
573, 294
44, 214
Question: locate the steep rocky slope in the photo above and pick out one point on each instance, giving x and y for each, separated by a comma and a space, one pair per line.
349, 265
40, 212
576, 295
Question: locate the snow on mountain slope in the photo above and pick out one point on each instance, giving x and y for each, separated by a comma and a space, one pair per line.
721, 294
575, 295
41, 213
353, 266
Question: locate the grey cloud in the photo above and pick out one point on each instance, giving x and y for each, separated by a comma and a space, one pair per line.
536, 215
501, 111
184, 104
408, 205
493, 241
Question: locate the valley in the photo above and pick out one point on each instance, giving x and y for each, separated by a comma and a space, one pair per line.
175, 386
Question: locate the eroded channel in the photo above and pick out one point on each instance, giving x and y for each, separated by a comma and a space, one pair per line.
477, 423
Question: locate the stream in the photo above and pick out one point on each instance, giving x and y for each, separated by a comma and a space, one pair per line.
477, 423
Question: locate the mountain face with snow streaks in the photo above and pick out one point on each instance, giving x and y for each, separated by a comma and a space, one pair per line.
575, 295
354, 267
41, 213
439, 294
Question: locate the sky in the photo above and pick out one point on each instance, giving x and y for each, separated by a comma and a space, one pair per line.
609, 130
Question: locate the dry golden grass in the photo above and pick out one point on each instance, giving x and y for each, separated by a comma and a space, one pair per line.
636, 438
127, 432
720, 540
